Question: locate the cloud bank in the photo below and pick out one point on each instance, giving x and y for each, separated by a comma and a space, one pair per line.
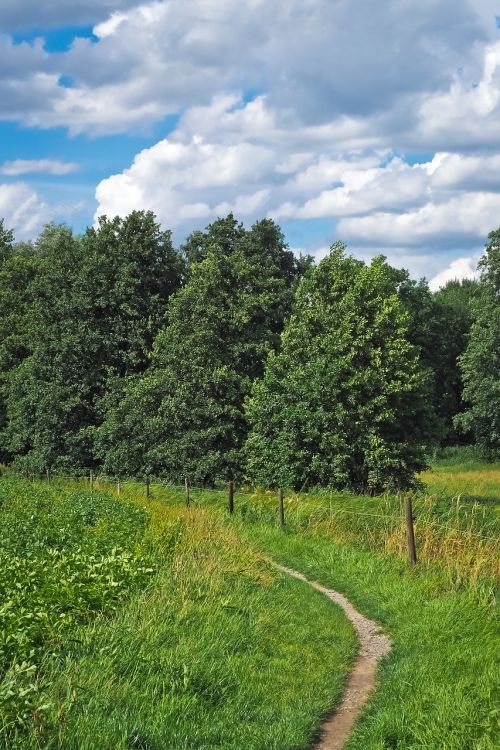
381, 118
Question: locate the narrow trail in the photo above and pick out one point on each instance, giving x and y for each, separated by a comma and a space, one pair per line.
373, 645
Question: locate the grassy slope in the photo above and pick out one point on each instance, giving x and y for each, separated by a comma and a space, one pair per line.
440, 686
224, 652
218, 652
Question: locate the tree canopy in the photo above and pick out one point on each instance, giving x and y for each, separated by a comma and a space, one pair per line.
480, 363
189, 408
96, 303
345, 403
232, 358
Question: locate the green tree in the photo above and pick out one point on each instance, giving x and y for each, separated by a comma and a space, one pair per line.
480, 363
439, 327
345, 402
6, 241
98, 302
17, 270
450, 327
186, 415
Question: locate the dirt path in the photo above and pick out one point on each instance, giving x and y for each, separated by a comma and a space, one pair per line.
373, 645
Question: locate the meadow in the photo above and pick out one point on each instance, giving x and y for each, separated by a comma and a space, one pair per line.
128, 626
208, 646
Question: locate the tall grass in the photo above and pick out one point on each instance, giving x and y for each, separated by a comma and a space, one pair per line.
221, 651
439, 688
459, 536
210, 653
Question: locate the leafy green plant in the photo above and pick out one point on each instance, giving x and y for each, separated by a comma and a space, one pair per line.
65, 557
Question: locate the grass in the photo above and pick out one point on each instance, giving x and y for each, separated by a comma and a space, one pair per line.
219, 650
211, 652
460, 473
64, 556
439, 686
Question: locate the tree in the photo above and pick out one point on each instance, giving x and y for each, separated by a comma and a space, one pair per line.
451, 323
17, 270
6, 241
98, 302
186, 415
480, 363
345, 403
439, 327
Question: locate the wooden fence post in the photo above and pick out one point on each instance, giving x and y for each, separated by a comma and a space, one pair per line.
186, 489
118, 486
148, 487
91, 480
282, 508
230, 489
412, 550
48, 476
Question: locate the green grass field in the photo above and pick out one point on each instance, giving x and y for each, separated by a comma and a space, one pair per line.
206, 646
155, 628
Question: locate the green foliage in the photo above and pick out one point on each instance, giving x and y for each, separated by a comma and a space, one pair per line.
64, 558
345, 403
18, 266
452, 316
480, 363
211, 655
96, 305
186, 415
117, 351
439, 327
6, 241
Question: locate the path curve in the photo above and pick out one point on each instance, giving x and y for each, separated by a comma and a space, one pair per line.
373, 645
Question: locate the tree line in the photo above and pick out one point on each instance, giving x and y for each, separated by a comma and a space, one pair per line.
231, 358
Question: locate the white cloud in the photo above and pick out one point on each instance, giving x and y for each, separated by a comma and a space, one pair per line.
381, 203
23, 210
31, 166
361, 190
460, 221
339, 98
468, 112
108, 27
323, 64
185, 177
461, 268
244, 205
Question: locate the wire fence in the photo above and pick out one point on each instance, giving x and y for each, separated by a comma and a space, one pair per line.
266, 505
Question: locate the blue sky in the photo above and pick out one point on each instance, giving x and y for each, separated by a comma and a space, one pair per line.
375, 124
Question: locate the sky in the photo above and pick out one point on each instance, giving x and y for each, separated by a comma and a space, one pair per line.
375, 123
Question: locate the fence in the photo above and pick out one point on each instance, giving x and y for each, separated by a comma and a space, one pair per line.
403, 518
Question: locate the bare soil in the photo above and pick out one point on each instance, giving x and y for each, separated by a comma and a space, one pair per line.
373, 645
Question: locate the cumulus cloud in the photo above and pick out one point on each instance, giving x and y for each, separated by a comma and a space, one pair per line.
31, 166
461, 268
461, 221
23, 210
468, 112
341, 102
175, 178
319, 62
377, 198
15, 15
